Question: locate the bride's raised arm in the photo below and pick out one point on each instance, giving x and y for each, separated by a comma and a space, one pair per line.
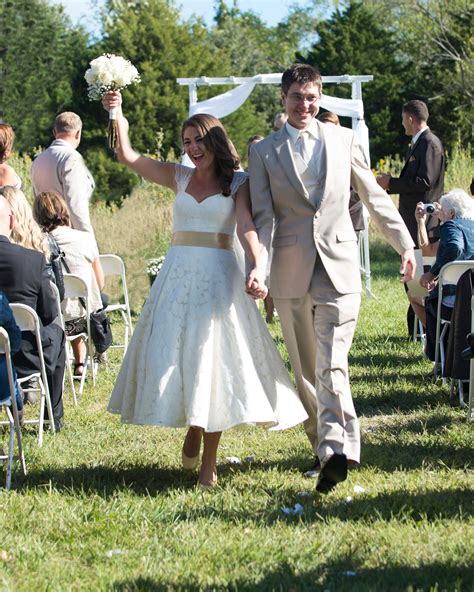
162, 173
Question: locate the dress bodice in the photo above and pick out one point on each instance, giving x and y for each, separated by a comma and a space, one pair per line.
216, 213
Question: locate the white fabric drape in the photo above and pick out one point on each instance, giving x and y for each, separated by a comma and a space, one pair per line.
230, 101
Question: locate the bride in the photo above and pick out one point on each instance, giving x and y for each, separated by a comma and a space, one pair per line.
201, 356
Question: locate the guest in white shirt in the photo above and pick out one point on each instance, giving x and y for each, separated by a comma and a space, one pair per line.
61, 168
81, 257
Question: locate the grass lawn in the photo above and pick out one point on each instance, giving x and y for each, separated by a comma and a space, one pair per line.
107, 507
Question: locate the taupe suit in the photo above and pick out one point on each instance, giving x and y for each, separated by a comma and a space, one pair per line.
60, 168
315, 278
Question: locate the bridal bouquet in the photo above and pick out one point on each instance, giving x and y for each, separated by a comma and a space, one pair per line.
110, 72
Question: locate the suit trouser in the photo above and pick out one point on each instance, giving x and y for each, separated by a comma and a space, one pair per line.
318, 330
27, 361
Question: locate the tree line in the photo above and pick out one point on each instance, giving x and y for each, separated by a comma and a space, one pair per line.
414, 49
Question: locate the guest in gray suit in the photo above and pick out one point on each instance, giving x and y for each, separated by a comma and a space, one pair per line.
61, 168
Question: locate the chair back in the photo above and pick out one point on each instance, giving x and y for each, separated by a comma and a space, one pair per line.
26, 318
5, 350
75, 287
112, 264
451, 272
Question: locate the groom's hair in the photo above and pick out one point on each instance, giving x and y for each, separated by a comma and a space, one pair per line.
67, 123
416, 109
302, 74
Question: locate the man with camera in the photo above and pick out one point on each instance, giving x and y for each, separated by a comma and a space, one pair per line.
422, 177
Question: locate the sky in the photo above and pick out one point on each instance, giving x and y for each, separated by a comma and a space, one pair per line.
271, 11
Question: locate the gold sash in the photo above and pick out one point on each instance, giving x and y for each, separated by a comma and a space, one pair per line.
211, 240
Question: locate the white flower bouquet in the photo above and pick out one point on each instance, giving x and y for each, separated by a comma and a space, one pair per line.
153, 267
110, 72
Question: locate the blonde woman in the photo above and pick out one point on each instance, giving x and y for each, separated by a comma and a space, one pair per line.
29, 234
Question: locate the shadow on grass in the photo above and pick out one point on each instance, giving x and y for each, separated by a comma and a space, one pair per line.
342, 575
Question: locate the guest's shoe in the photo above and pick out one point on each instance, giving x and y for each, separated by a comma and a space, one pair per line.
314, 471
189, 463
332, 472
78, 369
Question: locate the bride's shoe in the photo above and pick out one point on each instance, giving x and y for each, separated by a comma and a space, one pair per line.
189, 463
208, 486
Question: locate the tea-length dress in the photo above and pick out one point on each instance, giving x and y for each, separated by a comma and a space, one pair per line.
201, 353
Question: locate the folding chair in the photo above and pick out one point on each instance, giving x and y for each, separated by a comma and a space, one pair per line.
61, 323
27, 319
449, 274
470, 406
113, 265
75, 287
415, 289
11, 411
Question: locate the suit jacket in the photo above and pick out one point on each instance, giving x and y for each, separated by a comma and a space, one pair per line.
302, 231
61, 168
24, 279
422, 177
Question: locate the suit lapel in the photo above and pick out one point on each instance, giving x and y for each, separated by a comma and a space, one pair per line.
283, 153
326, 157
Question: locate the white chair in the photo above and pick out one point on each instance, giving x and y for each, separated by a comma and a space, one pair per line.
113, 265
449, 274
27, 319
416, 290
61, 323
11, 411
76, 288
470, 406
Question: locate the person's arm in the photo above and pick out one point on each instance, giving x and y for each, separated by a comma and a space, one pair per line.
7, 321
77, 190
153, 170
430, 165
427, 249
247, 234
383, 211
46, 306
261, 203
99, 273
7, 176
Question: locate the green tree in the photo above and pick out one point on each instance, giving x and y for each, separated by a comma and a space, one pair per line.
352, 41
437, 41
40, 57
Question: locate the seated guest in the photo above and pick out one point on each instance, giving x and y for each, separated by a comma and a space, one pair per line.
24, 279
7, 322
80, 257
7, 174
27, 233
456, 243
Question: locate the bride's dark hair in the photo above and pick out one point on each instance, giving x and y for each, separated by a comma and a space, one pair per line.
216, 141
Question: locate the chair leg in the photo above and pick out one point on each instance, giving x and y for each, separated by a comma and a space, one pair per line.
11, 443
71, 379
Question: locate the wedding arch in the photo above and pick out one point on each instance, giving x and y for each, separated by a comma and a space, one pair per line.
228, 102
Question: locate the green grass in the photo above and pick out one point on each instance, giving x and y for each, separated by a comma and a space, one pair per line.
107, 507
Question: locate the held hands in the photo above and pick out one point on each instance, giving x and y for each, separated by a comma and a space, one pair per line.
407, 266
383, 179
255, 285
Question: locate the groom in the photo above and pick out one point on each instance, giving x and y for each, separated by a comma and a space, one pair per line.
300, 176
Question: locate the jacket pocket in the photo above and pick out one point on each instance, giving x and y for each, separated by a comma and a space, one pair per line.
284, 241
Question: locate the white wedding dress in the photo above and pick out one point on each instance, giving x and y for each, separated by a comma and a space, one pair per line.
201, 353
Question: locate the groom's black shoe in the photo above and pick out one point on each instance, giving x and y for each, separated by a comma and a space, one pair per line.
333, 472
314, 471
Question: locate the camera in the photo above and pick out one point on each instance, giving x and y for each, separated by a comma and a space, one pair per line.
429, 208
468, 353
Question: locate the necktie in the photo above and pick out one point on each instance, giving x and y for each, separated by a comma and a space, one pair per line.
302, 146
